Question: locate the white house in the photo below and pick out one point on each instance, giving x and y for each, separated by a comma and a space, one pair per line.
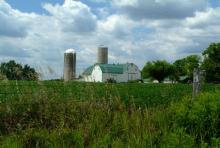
118, 72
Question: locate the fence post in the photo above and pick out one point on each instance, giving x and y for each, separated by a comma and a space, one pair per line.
196, 82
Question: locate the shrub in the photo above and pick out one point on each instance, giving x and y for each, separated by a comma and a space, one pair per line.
200, 117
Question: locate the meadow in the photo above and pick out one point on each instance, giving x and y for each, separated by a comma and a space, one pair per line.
74, 114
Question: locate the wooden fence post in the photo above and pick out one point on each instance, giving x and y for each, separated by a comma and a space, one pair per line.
197, 74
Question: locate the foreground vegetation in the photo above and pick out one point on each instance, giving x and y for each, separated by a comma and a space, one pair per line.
108, 115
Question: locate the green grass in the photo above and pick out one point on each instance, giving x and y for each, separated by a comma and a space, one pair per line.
54, 114
142, 94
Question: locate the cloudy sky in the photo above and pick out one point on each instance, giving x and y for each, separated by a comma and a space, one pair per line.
37, 32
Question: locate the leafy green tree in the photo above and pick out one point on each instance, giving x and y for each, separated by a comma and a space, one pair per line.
158, 70
185, 67
179, 69
29, 73
211, 63
14, 71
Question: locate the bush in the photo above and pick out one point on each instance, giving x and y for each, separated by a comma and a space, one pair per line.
200, 118
3, 77
111, 80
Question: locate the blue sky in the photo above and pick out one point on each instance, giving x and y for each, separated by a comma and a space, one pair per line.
36, 5
39, 31
31, 5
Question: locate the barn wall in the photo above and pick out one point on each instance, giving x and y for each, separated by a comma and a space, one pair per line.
88, 78
97, 74
117, 77
132, 73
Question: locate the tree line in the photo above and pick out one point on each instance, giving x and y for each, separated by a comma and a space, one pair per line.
182, 69
14, 71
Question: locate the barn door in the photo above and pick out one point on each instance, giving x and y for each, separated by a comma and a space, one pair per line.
130, 77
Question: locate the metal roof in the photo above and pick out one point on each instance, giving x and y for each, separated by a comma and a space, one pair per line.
108, 68
88, 71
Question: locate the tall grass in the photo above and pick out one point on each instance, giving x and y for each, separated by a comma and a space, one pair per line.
46, 120
149, 95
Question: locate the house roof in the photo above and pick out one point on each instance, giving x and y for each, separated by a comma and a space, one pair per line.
108, 68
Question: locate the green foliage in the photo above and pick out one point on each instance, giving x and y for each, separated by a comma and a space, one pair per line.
29, 73
12, 70
211, 63
142, 94
2, 77
111, 80
199, 118
158, 70
185, 67
108, 115
10, 142
15, 71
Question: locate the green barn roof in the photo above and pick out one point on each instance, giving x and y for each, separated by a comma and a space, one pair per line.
88, 71
108, 68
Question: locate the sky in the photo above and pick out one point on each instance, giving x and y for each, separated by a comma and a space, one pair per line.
37, 32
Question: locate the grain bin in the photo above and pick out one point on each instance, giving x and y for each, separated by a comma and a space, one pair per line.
69, 65
102, 56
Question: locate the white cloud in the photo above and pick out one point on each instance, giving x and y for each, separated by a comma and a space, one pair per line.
117, 25
73, 16
122, 3
41, 40
10, 24
159, 9
206, 18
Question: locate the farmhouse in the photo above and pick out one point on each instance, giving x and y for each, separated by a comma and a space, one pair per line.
116, 72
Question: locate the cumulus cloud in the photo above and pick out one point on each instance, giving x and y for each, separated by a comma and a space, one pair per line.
116, 25
73, 16
160, 29
159, 9
205, 18
11, 25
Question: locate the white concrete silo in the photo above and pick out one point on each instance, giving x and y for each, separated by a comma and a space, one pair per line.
69, 65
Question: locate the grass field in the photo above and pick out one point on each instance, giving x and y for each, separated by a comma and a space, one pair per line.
54, 114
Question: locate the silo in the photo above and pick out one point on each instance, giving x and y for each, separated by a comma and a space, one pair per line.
102, 56
69, 65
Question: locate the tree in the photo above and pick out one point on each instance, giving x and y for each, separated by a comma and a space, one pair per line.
29, 73
184, 67
158, 70
179, 69
211, 63
14, 71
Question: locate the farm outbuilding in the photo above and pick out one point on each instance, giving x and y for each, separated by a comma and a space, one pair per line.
116, 72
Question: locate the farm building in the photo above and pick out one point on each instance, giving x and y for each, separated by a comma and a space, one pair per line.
117, 72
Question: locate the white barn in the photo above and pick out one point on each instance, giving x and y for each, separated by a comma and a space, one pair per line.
118, 72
